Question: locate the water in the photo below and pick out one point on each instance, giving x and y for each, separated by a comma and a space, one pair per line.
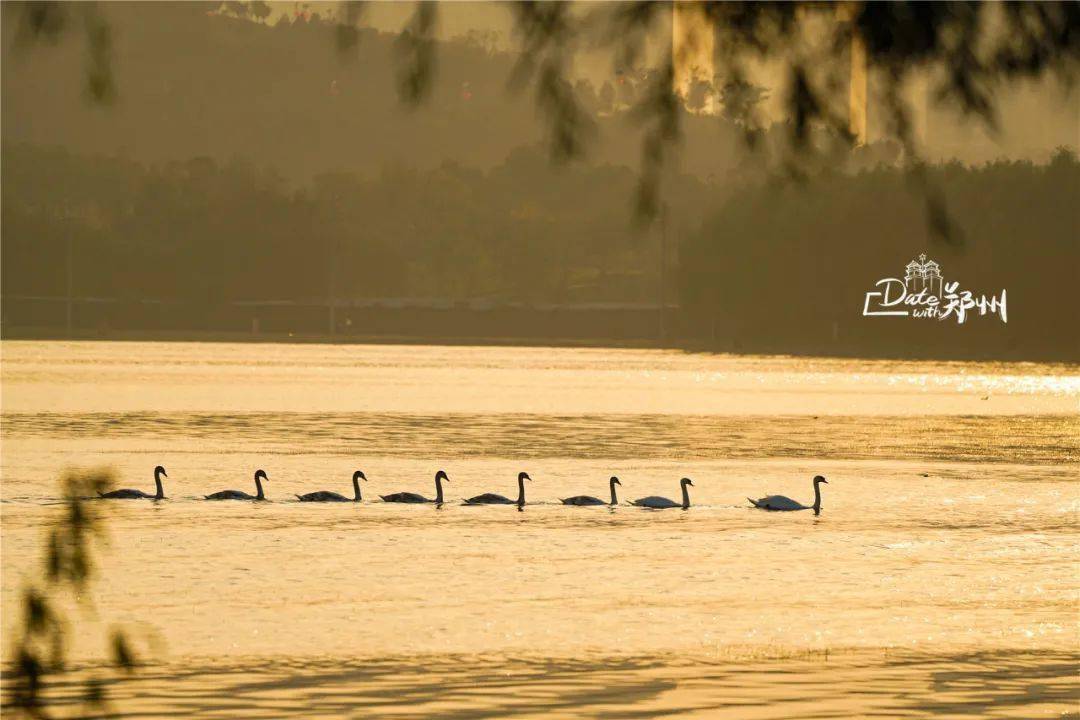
940, 579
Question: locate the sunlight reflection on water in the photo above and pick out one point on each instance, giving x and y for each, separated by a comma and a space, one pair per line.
942, 565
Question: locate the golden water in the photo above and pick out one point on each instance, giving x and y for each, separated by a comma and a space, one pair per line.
940, 578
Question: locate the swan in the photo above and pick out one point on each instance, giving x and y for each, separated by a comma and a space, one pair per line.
408, 497
590, 500
660, 503
327, 496
238, 495
781, 502
130, 494
493, 499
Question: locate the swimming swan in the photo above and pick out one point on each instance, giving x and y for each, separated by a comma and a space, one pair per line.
590, 500
130, 494
493, 499
237, 495
660, 503
327, 496
781, 502
408, 497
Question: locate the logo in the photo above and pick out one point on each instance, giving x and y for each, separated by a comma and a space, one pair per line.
924, 293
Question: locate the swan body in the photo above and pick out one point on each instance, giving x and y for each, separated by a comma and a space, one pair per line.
410, 497
494, 499
656, 502
590, 500
239, 495
782, 503
490, 499
132, 494
327, 496
778, 502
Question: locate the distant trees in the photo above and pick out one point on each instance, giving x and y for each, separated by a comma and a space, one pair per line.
774, 267
740, 101
209, 233
259, 10
969, 51
786, 268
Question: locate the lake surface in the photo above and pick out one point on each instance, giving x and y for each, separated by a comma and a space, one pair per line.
941, 578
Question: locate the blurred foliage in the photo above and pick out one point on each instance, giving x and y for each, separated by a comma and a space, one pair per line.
416, 50
970, 49
975, 46
47, 21
544, 31
40, 649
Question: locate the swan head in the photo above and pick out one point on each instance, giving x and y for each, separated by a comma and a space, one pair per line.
159, 470
615, 480
260, 474
359, 475
441, 475
686, 481
820, 479
523, 476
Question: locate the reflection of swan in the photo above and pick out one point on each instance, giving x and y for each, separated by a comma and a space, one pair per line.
327, 496
408, 497
590, 500
781, 502
493, 499
130, 494
237, 495
659, 503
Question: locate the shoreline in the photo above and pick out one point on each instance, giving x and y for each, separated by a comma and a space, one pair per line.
47, 334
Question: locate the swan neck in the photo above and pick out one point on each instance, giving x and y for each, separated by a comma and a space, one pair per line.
521, 491
258, 486
685, 497
817, 498
438, 490
614, 500
356, 489
160, 489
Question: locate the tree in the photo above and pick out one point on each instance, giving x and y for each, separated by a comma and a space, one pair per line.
740, 101
698, 95
260, 10
970, 49
41, 644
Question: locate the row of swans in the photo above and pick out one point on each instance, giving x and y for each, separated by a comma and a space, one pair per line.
655, 502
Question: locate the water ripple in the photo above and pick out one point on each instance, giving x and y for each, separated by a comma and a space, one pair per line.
1029, 439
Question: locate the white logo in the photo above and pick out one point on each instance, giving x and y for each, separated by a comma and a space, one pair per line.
923, 293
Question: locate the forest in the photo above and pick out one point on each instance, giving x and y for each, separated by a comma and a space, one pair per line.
250, 161
201, 232
772, 265
797, 260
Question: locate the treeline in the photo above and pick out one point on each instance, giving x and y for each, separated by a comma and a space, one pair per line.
206, 233
783, 267
773, 267
194, 83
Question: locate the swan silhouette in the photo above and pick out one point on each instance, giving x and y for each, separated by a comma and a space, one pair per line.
131, 494
661, 503
238, 495
408, 497
783, 503
590, 500
494, 499
327, 496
